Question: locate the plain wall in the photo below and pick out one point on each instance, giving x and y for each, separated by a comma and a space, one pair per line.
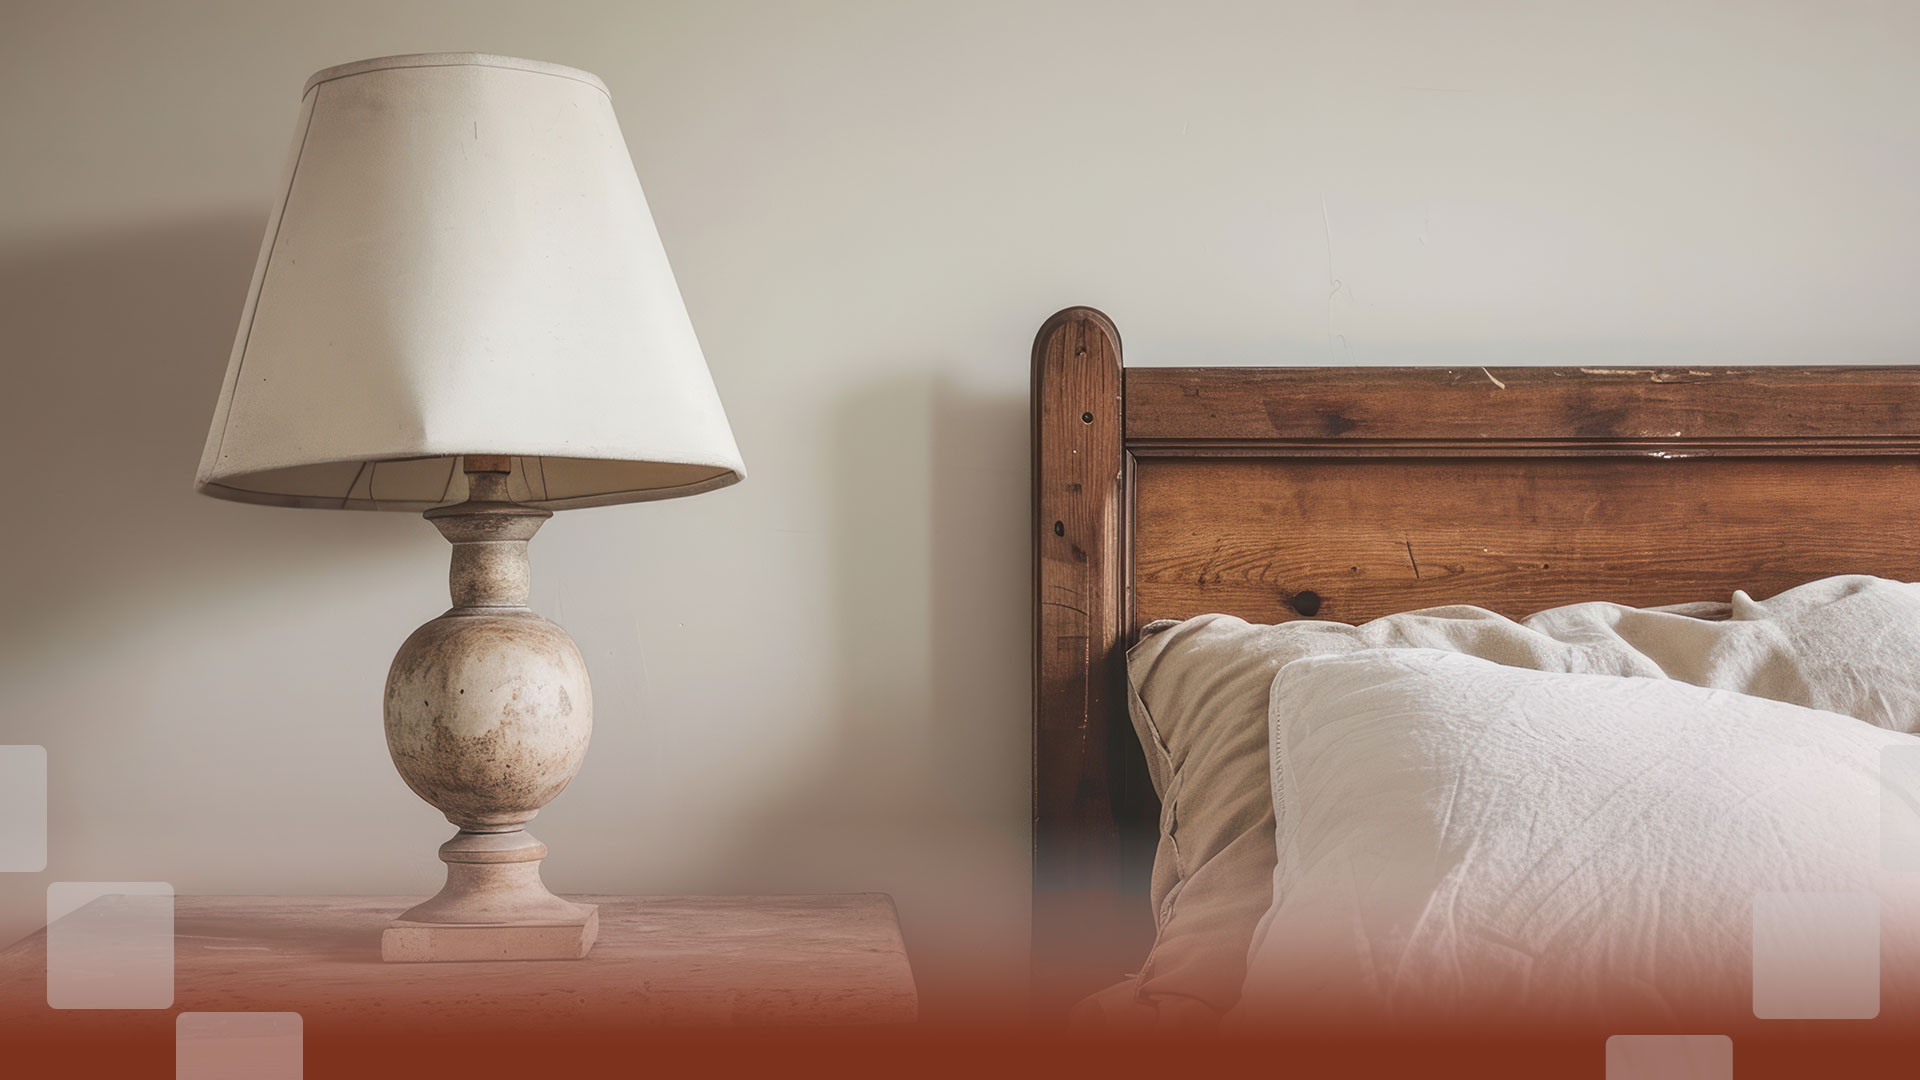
819, 679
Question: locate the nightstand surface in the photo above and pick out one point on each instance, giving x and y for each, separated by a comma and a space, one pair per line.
688, 961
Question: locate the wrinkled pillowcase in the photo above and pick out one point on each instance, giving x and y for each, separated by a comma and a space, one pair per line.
1198, 699
1464, 842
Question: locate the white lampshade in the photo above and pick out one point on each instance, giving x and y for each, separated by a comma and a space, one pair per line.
462, 262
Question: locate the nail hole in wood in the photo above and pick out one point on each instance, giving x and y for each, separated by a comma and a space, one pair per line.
1306, 603
1059, 528
1086, 418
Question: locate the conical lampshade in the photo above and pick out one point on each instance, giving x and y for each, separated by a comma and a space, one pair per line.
461, 262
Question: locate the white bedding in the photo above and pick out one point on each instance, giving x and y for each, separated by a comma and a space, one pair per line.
1455, 835
1199, 695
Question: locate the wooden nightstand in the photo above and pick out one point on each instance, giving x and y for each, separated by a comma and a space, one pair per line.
661, 962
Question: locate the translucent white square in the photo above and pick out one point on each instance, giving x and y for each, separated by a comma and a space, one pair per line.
110, 945
237, 1046
1816, 956
23, 809
1669, 1057
1900, 808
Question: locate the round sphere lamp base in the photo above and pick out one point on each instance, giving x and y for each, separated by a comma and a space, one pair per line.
488, 712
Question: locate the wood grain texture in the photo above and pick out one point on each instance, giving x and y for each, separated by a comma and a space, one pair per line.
1078, 607
661, 961
1822, 405
1081, 770
1351, 493
1366, 538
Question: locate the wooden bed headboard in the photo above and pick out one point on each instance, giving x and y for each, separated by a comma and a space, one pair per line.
1352, 493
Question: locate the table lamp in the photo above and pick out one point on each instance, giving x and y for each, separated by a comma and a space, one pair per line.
462, 308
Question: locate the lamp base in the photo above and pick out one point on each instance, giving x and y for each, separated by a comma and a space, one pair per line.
488, 710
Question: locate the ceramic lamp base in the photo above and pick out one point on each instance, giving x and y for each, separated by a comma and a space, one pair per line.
488, 712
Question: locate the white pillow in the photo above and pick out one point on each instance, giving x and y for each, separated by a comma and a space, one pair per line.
1458, 838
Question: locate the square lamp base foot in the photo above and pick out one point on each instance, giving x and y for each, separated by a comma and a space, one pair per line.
407, 942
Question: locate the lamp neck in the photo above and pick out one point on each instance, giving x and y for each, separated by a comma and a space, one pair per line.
489, 533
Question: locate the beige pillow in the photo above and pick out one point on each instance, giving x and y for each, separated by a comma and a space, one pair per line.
1198, 697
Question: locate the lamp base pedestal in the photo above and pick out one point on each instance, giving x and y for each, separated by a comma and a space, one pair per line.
493, 907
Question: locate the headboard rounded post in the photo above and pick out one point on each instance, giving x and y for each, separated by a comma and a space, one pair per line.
1080, 613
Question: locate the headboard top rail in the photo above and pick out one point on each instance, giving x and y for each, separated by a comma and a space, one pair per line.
1754, 406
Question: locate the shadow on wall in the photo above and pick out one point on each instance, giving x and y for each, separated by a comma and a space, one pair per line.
117, 343
925, 779
129, 643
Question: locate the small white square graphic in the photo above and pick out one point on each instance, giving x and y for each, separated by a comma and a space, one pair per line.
1669, 1057
23, 809
1900, 808
237, 1046
110, 945
1816, 955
